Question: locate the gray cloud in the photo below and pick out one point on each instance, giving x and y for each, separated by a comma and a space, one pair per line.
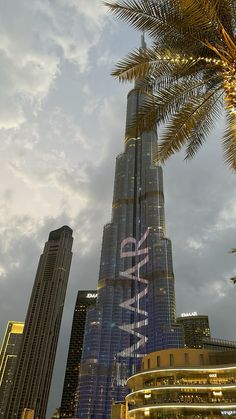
62, 120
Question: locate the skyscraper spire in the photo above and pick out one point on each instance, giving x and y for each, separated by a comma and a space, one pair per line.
135, 311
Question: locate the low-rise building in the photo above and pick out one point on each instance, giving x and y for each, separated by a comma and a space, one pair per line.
184, 383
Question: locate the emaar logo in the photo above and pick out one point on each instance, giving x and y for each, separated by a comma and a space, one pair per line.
192, 314
91, 295
132, 304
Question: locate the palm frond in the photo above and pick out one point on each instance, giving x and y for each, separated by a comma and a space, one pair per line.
229, 144
209, 113
178, 131
186, 72
199, 13
167, 101
160, 19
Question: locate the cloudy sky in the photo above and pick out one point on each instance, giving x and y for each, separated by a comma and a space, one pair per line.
61, 126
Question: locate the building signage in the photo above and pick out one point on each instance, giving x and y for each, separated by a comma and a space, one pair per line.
133, 273
91, 295
194, 313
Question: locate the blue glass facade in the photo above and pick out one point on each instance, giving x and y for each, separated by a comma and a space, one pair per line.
135, 311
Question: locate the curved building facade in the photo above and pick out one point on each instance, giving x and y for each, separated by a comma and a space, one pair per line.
184, 383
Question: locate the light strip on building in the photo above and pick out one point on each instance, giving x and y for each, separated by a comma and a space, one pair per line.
184, 406
193, 387
207, 368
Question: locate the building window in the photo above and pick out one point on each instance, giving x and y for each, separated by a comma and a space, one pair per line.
158, 361
201, 359
171, 360
186, 359
148, 363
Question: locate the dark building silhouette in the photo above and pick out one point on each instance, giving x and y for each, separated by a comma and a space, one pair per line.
196, 329
135, 311
34, 369
8, 357
85, 299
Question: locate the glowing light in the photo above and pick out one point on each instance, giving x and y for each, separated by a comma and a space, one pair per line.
217, 393
192, 314
91, 295
227, 67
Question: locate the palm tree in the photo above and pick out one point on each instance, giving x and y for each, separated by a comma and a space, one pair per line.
189, 72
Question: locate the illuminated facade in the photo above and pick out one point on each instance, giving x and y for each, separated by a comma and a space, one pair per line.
135, 311
184, 383
35, 362
118, 410
27, 414
85, 299
8, 357
196, 329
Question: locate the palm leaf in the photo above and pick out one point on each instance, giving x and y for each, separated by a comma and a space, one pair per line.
209, 113
229, 144
158, 107
179, 130
183, 77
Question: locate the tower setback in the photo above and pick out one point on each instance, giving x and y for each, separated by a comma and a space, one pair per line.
34, 369
135, 312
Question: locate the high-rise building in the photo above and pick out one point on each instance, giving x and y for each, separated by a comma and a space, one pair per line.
34, 369
8, 357
196, 329
135, 311
85, 299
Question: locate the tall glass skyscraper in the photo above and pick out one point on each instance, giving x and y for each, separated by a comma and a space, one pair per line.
135, 312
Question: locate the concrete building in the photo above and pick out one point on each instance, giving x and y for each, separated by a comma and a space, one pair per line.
85, 299
39, 343
184, 383
8, 357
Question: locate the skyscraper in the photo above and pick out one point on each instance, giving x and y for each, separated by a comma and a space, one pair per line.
8, 357
34, 369
196, 329
85, 299
135, 311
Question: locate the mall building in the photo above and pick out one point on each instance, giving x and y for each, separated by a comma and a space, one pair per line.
184, 383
